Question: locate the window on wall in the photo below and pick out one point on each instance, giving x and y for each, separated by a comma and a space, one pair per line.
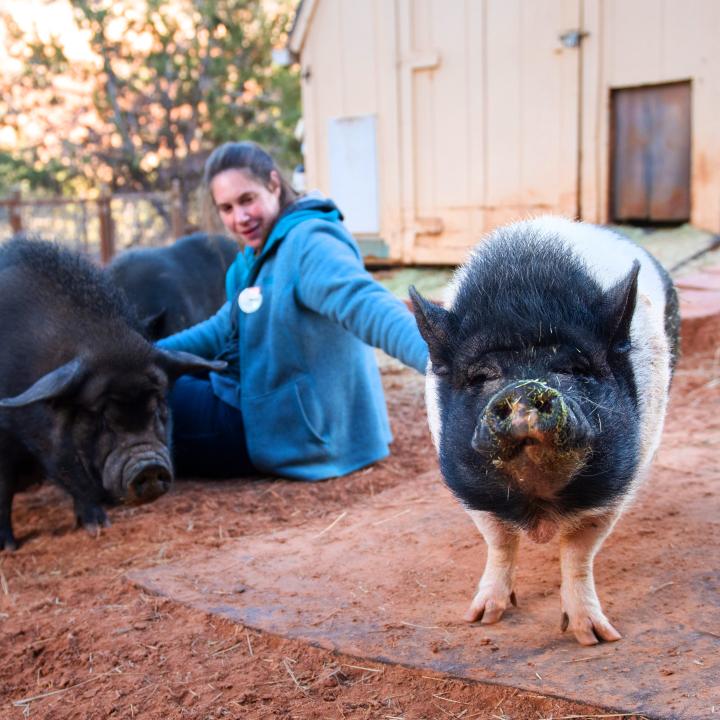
352, 146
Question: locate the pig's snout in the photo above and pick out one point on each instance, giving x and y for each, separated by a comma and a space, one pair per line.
526, 413
137, 473
534, 436
146, 481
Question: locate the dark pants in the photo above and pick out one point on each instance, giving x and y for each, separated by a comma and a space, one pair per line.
208, 435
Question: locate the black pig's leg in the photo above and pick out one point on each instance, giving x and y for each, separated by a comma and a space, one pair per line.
7, 539
8, 486
87, 497
90, 515
495, 589
581, 608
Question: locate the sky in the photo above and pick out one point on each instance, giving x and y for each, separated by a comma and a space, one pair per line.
48, 16
55, 16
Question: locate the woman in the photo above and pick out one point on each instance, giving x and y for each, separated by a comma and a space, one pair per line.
301, 396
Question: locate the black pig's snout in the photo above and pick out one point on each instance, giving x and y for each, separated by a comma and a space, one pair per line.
147, 482
527, 412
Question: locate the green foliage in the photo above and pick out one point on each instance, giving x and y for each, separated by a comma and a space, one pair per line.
169, 80
26, 175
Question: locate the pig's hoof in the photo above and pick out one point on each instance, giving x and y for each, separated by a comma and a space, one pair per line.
93, 519
7, 540
590, 628
488, 606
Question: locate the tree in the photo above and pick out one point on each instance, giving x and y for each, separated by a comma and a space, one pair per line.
169, 80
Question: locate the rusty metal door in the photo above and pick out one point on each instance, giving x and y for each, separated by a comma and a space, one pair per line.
651, 154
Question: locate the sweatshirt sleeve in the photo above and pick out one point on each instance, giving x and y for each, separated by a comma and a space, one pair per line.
333, 282
206, 339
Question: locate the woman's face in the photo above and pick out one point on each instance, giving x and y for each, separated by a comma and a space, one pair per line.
247, 207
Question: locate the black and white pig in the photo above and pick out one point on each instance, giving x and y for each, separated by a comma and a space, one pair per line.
546, 392
82, 393
174, 287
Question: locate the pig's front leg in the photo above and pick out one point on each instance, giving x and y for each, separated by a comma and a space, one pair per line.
7, 539
581, 608
90, 515
495, 589
72, 474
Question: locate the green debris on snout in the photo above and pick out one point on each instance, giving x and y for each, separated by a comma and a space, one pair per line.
537, 395
523, 383
529, 426
560, 415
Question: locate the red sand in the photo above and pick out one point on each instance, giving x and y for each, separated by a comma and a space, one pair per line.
87, 643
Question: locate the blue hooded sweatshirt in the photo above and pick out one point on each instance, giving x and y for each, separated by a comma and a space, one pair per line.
304, 376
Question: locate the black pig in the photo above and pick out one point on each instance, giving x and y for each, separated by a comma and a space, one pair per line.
82, 392
546, 393
172, 288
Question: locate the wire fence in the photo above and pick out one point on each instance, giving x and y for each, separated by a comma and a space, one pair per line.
102, 226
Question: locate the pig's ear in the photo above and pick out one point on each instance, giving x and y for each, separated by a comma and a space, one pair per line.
154, 325
177, 362
435, 325
620, 308
62, 381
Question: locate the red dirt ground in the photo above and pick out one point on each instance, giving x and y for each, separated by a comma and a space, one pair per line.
80, 641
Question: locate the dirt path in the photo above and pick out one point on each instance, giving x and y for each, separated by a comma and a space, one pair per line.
85, 643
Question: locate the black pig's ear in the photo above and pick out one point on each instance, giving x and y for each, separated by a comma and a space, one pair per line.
60, 382
154, 325
177, 362
435, 325
619, 304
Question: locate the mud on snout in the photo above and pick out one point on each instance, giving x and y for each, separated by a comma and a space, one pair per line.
534, 435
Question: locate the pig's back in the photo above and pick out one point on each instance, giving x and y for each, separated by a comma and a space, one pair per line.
54, 304
609, 256
58, 278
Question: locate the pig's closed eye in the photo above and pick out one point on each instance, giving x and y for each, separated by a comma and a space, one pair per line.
479, 374
621, 347
440, 370
578, 369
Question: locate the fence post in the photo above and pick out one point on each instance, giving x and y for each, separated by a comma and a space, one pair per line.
15, 211
177, 219
107, 234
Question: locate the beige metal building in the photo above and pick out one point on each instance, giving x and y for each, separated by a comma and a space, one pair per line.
432, 121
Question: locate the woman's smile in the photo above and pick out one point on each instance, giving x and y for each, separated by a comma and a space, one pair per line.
247, 208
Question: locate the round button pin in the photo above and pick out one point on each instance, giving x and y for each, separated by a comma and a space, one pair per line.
250, 299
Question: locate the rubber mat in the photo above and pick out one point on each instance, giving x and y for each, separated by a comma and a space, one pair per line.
389, 581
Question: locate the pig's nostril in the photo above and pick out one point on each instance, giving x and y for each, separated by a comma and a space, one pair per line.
544, 405
543, 399
502, 409
151, 482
